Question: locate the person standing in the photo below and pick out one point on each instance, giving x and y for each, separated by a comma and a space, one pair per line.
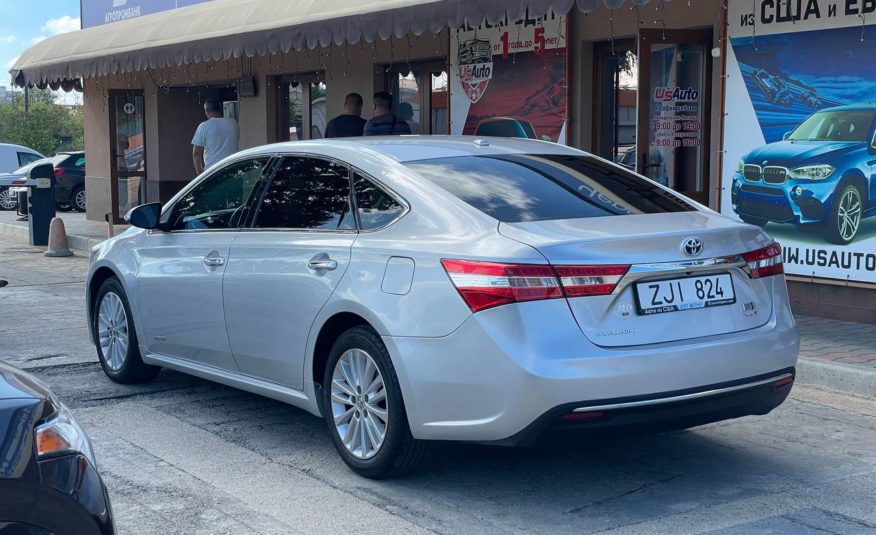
384, 123
215, 138
350, 123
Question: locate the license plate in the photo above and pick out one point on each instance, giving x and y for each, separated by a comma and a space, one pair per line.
688, 293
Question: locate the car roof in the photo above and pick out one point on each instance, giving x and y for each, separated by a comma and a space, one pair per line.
865, 106
413, 148
19, 147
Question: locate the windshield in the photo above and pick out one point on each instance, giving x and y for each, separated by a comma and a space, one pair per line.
852, 126
513, 188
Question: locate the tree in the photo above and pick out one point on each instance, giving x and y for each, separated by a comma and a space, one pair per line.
46, 127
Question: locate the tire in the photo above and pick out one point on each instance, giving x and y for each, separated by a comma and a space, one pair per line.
7, 200
845, 215
398, 452
756, 221
112, 315
77, 199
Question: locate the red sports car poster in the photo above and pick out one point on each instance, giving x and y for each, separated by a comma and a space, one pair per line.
509, 79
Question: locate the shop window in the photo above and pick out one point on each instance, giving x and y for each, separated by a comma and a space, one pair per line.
302, 108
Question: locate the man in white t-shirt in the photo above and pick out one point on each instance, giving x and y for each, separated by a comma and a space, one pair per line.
215, 138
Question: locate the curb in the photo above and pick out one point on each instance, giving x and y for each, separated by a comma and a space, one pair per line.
20, 233
837, 376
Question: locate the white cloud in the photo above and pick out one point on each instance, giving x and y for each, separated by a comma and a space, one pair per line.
61, 25
7, 39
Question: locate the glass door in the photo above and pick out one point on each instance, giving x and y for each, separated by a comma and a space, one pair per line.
420, 96
674, 109
302, 107
616, 98
127, 150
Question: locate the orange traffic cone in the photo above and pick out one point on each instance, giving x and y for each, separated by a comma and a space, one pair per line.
58, 239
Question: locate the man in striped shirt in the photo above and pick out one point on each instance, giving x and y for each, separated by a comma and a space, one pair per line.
384, 122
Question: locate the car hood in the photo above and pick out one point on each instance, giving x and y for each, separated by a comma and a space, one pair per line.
16, 384
788, 153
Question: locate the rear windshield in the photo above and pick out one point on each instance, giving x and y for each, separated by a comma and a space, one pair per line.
540, 187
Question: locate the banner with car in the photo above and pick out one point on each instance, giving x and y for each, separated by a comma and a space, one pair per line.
509, 79
800, 156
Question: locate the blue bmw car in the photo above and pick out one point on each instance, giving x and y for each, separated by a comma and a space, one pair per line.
820, 174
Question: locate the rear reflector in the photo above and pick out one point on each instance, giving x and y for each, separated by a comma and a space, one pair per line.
765, 262
579, 281
485, 285
783, 382
19, 182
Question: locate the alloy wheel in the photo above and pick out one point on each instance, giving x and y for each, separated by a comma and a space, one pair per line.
7, 200
112, 330
849, 214
359, 403
79, 200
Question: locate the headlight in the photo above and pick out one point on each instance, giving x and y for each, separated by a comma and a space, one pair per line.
812, 172
61, 435
741, 167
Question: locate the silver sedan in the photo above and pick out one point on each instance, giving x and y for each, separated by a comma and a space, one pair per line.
413, 289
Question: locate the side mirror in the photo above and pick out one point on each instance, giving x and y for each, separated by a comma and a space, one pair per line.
787, 135
145, 216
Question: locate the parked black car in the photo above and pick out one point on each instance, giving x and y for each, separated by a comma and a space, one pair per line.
70, 180
48, 480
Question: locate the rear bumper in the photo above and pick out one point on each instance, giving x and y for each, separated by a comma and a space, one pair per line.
507, 368
655, 413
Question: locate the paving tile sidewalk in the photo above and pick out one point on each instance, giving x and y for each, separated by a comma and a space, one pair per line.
82, 234
837, 341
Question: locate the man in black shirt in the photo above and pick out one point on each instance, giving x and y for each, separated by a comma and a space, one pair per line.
350, 123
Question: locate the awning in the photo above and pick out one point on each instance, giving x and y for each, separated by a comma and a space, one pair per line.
224, 29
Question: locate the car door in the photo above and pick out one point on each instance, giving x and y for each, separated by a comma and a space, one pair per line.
283, 269
181, 267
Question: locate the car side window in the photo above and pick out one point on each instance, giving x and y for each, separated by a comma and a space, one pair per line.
376, 207
25, 158
80, 162
307, 193
219, 201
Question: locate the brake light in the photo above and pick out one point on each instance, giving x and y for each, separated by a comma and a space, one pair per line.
485, 285
765, 262
579, 281
59, 171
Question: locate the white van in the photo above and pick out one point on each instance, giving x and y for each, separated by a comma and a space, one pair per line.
13, 157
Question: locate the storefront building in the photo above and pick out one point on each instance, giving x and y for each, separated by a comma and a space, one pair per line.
698, 96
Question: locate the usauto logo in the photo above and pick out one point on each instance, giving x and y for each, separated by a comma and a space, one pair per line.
675, 94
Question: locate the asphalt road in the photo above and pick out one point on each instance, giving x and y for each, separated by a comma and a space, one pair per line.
182, 455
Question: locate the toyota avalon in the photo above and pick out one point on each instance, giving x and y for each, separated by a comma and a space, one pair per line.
413, 289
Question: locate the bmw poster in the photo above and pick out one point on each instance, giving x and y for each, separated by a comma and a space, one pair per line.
509, 79
800, 131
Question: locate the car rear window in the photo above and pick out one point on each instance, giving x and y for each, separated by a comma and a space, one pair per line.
538, 187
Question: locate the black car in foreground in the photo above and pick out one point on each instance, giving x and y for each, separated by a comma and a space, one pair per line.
48, 480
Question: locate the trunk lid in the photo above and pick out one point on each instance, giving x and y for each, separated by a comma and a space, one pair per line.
652, 245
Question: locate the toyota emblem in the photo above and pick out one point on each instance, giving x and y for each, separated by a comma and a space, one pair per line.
692, 247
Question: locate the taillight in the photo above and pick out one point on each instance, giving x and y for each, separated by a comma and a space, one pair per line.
578, 281
484, 285
59, 171
765, 262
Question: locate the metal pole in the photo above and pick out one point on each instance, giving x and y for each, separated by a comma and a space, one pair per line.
26, 99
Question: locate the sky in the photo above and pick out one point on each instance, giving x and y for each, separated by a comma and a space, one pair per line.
25, 22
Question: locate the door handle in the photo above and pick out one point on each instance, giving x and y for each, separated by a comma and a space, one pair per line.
326, 264
214, 261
